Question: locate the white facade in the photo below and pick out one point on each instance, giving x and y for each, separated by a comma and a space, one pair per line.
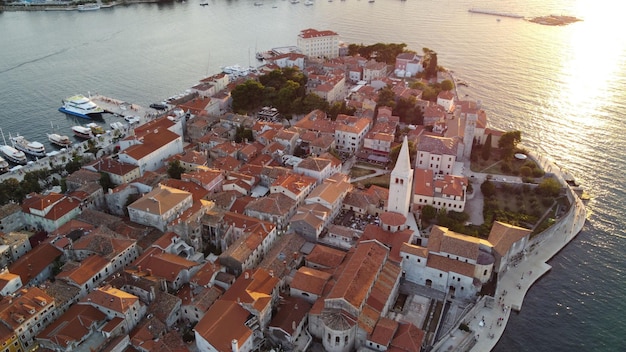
439, 163
316, 43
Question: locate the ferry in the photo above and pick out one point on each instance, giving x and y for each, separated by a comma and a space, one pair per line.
13, 155
81, 106
4, 165
82, 132
32, 148
59, 140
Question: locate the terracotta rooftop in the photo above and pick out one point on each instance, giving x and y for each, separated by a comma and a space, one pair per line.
408, 338
310, 280
34, 262
73, 326
290, 310
384, 331
359, 274
326, 256
502, 236
160, 200
111, 298
84, 271
224, 322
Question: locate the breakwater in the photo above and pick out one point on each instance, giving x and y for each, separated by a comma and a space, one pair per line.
495, 13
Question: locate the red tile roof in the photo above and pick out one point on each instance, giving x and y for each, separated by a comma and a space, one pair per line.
34, 262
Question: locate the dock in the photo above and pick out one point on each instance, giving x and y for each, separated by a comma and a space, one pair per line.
495, 13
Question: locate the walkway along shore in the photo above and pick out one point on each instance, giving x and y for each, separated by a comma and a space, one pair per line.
488, 319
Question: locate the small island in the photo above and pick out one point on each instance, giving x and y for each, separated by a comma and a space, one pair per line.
555, 20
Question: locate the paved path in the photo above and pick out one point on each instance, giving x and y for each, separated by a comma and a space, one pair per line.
377, 172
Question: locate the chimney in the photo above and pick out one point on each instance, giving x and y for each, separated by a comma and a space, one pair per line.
234, 345
272, 273
293, 325
246, 275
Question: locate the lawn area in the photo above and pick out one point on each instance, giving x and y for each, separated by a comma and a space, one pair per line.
520, 206
359, 172
495, 165
382, 181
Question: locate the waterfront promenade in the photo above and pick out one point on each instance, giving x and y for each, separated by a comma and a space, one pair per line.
489, 317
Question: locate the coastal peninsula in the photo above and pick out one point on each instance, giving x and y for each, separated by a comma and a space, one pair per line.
267, 208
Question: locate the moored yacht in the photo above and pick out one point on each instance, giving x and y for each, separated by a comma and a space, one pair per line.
32, 148
82, 132
13, 155
59, 140
4, 165
81, 106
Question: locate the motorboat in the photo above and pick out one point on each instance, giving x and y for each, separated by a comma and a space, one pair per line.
81, 106
13, 155
295, 1
82, 132
59, 140
236, 70
32, 148
308, 3
258, 3
4, 165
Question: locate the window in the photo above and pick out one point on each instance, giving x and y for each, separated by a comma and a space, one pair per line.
337, 339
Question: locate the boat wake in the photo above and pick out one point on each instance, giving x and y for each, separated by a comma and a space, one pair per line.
34, 60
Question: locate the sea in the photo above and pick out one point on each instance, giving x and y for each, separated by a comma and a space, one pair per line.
564, 87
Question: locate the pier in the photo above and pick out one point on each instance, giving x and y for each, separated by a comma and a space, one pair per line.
495, 13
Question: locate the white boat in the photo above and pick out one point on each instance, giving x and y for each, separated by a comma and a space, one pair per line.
4, 165
295, 1
81, 106
236, 70
32, 148
88, 7
82, 132
13, 155
258, 3
308, 3
59, 140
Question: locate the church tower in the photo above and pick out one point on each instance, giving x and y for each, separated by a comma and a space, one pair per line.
401, 182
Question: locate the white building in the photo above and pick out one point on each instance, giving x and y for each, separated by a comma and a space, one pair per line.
162, 205
314, 43
438, 154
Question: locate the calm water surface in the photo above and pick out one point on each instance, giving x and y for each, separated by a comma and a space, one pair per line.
564, 87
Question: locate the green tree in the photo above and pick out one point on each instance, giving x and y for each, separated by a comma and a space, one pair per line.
105, 181
549, 187
395, 151
386, 97
428, 213
175, 170
486, 149
508, 142
488, 189
447, 85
